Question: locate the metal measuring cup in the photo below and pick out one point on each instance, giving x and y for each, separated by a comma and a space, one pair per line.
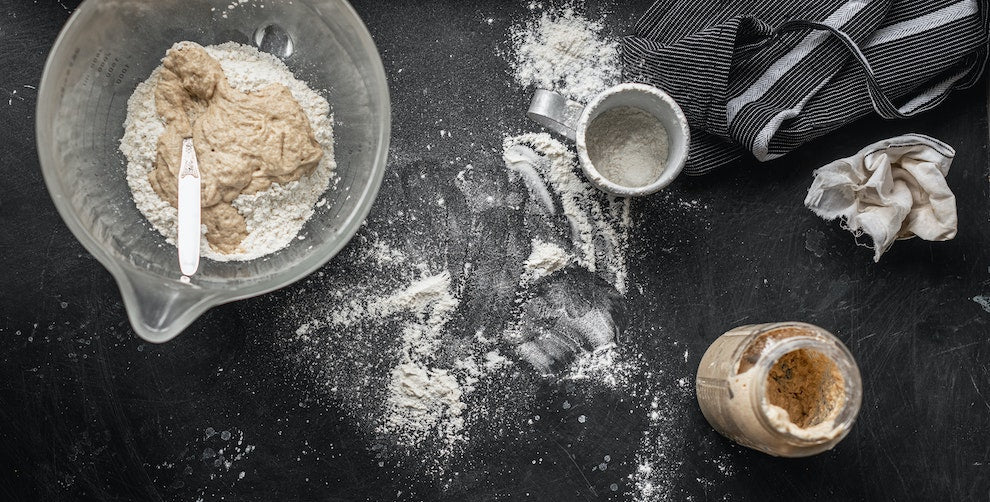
571, 120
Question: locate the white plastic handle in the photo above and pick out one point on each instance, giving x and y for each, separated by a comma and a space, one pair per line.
189, 210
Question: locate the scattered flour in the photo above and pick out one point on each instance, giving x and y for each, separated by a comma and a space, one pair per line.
424, 392
275, 216
430, 400
983, 301
494, 360
422, 399
545, 259
402, 346
558, 325
564, 52
604, 365
659, 460
383, 254
428, 298
599, 230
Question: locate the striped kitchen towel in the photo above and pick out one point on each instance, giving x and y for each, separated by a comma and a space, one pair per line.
768, 75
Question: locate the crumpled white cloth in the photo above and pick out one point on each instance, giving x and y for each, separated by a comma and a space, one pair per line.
892, 189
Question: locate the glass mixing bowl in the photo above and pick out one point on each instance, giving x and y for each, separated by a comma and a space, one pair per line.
108, 47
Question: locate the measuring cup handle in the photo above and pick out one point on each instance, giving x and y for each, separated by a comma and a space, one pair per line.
555, 112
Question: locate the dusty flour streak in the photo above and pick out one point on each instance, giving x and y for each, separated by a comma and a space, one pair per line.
425, 393
653, 475
422, 398
603, 365
400, 342
598, 233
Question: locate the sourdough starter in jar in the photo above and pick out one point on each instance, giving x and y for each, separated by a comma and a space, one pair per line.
788, 389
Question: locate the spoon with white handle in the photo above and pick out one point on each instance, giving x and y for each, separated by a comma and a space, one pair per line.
189, 210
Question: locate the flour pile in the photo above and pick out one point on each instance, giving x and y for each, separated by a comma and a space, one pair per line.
544, 259
423, 370
628, 146
419, 378
422, 397
407, 374
275, 216
564, 52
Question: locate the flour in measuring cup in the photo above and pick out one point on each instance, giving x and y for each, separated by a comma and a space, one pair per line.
627, 146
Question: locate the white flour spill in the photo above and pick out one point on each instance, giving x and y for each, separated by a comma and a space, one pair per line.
656, 468
486, 281
275, 216
603, 365
559, 326
545, 259
418, 394
421, 398
564, 52
598, 229
422, 382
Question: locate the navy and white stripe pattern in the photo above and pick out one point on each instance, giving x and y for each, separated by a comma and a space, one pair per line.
769, 75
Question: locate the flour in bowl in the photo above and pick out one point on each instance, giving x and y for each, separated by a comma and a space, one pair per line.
273, 216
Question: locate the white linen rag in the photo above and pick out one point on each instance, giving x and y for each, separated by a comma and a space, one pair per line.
892, 189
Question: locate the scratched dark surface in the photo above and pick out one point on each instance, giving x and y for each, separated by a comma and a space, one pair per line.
88, 412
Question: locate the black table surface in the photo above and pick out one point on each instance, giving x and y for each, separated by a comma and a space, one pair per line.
89, 411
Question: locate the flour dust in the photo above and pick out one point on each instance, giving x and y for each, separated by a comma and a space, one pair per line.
562, 51
486, 281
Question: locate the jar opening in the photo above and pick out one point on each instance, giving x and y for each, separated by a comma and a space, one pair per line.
807, 385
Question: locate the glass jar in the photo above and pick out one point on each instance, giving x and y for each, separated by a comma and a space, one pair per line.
789, 389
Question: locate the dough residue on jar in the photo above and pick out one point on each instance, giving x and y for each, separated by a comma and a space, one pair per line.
755, 349
807, 385
244, 141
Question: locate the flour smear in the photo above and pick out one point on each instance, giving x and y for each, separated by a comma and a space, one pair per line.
479, 288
